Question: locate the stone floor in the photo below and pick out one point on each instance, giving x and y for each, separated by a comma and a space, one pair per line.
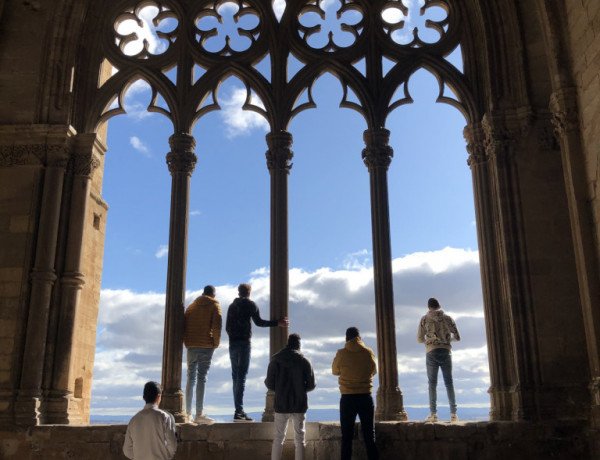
252, 441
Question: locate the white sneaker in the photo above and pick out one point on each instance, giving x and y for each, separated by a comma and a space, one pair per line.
189, 418
432, 418
453, 418
204, 419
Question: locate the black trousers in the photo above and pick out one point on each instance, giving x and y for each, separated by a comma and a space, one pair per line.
362, 405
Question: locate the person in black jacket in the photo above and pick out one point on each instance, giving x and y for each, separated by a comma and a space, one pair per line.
290, 375
239, 328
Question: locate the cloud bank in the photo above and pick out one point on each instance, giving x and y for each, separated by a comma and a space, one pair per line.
323, 303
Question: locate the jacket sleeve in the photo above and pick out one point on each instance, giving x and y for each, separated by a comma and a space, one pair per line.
270, 380
373, 364
454, 330
228, 321
336, 365
259, 321
216, 325
421, 332
310, 377
171, 435
128, 444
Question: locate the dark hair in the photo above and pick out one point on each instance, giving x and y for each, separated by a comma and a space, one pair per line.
209, 290
433, 303
151, 392
244, 290
294, 342
352, 333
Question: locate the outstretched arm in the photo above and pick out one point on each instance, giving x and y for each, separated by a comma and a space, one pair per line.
421, 333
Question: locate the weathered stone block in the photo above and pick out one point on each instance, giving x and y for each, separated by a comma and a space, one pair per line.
189, 432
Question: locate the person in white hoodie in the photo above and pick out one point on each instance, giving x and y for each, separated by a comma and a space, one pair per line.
151, 433
436, 331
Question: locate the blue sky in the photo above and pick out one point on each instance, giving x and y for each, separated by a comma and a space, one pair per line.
433, 234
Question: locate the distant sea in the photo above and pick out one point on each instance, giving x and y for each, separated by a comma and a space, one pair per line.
322, 415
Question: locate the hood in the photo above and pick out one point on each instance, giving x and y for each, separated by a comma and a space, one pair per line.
287, 356
355, 345
203, 300
436, 315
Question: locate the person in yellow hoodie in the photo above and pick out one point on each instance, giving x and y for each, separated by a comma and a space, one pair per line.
202, 335
355, 364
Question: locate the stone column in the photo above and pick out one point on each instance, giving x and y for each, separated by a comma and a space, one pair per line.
43, 277
377, 157
566, 123
278, 156
181, 161
55, 408
503, 131
496, 317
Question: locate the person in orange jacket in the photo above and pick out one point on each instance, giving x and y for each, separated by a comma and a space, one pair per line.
355, 364
202, 336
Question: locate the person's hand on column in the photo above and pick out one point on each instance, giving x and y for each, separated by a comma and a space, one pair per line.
283, 322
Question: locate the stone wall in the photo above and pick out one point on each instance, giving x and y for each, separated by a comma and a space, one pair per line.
80, 382
252, 441
18, 209
584, 32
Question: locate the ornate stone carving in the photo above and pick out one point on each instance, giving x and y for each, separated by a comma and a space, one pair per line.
57, 156
504, 130
222, 41
279, 154
22, 155
474, 136
565, 117
84, 164
181, 158
378, 153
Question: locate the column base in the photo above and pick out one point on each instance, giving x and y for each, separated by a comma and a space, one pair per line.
390, 406
173, 402
269, 413
27, 408
61, 409
501, 402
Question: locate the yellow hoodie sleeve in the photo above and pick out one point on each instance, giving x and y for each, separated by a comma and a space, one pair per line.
335, 366
216, 323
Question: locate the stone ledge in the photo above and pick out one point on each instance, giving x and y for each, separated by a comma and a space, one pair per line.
252, 441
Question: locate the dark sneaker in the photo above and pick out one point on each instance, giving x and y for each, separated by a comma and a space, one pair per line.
242, 417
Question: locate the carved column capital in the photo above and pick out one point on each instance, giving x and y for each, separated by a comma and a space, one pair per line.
57, 156
503, 130
84, 164
85, 157
377, 153
181, 158
280, 152
565, 113
475, 138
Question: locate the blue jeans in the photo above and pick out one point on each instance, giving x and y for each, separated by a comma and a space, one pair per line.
436, 359
362, 405
239, 353
198, 363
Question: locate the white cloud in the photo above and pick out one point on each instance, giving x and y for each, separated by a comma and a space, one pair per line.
162, 251
195, 213
358, 260
145, 32
323, 303
139, 145
237, 121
